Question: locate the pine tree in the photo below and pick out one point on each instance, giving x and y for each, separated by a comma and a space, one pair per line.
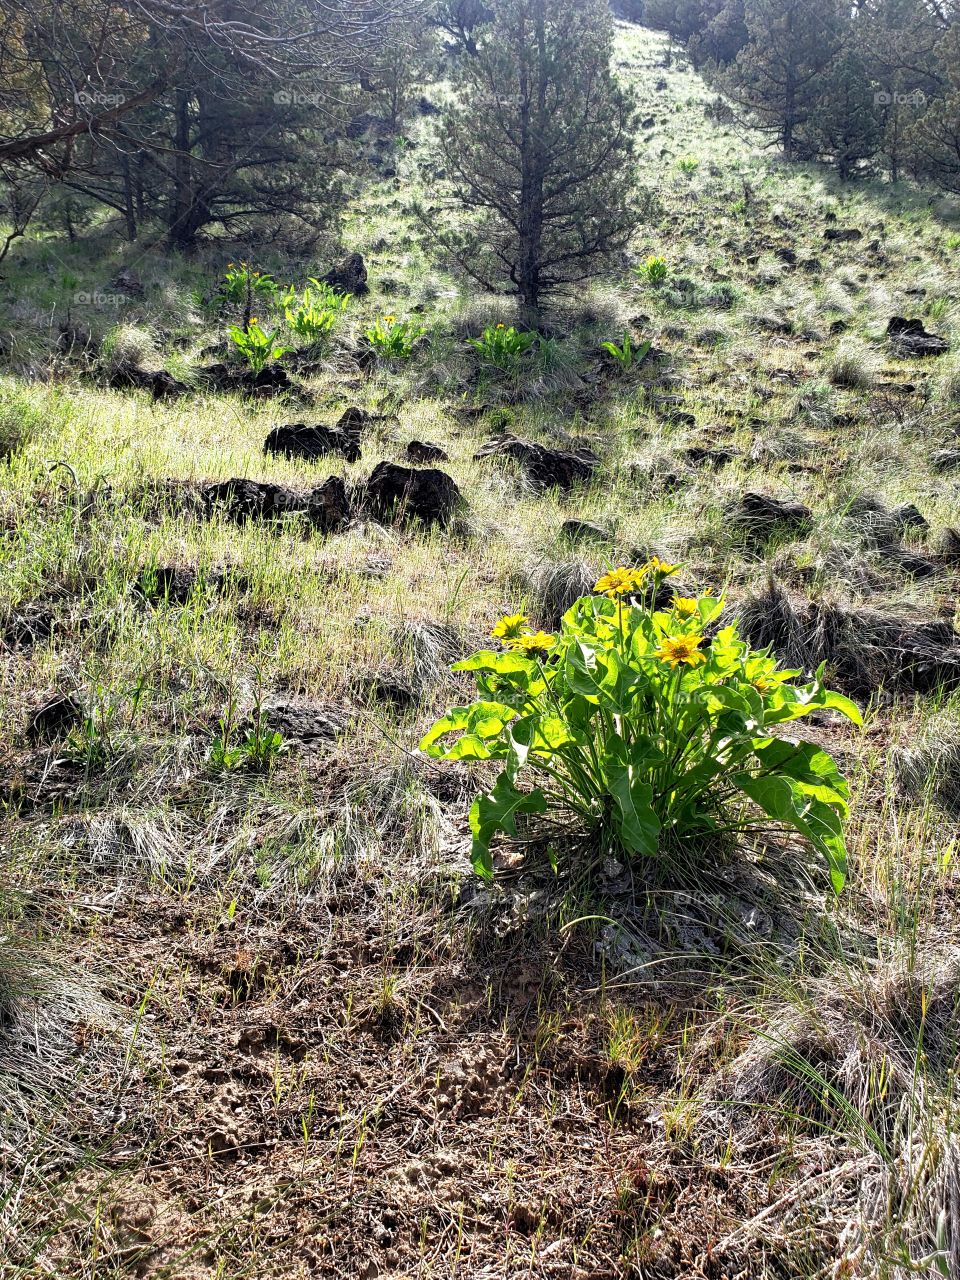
777, 77
844, 126
539, 147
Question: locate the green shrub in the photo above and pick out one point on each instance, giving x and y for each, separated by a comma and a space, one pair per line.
257, 347
655, 270
503, 346
240, 282
393, 338
314, 316
643, 736
625, 353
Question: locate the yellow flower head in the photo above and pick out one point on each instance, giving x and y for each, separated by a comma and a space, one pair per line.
620, 582
762, 684
534, 643
389, 319
685, 606
679, 651
511, 627
499, 326
254, 320
229, 266
656, 565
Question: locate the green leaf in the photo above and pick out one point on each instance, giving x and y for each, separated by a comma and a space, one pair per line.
481, 721
639, 826
784, 801
495, 811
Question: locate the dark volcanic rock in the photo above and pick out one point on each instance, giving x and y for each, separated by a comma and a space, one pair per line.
544, 467
391, 688
350, 276
759, 516
311, 443
328, 506
298, 720
55, 718
944, 460
909, 338
845, 235
422, 451
232, 377
584, 531
716, 458
128, 282
160, 384
252, 500
394, 492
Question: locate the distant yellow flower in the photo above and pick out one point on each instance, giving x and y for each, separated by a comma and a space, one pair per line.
620, 582
532, 643
681, 651
511, 627
389, 319
656, 565
762, 684
685, 606
229, 266
499, 326
254, 320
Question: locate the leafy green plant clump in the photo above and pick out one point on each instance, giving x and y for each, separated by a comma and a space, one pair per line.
257, 347
314, 315
503, 346
655, 270
625, 353
644, 738
393, 339
241, 282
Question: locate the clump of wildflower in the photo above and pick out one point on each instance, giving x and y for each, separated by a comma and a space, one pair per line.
620, 582
685, 607
511, 627
678, 651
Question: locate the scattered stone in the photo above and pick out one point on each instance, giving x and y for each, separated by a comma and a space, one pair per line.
252, 500
55, 718
908, 516
329, 507
698, 456
544, 467
910, 339
864, 650
948, 547
312, 443
129, 282
160, 384
234, 377
845, 235
944, 460
350, 276
422, 451
760, 516
394, 492
838, 327
585, 531
391, 688
301, 721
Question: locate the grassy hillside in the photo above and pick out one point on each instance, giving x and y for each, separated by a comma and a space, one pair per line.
258, 1017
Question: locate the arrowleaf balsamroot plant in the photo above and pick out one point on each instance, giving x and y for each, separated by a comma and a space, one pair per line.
503, 346
625, 353
314, 315
256, 347
392, 338
643, 735
240, 282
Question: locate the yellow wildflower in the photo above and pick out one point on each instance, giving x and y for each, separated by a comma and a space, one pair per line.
389, 319
510, 627
681, 651
499, 326
620, 582
656, 565
534, 643
685, 606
